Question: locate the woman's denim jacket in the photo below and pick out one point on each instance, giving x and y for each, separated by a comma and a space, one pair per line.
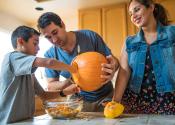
162, 52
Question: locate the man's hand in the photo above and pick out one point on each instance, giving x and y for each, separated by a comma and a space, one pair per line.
110, 68
72, 89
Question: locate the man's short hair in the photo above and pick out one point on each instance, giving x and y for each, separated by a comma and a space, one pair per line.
47, 18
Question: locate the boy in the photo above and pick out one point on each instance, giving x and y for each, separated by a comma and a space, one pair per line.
18, 84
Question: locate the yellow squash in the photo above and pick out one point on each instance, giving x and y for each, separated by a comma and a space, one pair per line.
113, 109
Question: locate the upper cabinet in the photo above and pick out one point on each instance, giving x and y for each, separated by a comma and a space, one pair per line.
113, 22
114, 27
169, 6
110, 22
91, 19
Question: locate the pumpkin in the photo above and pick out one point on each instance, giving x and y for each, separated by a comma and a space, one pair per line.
89, 70
113, 109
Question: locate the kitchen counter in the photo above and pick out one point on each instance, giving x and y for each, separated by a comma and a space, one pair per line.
97, 118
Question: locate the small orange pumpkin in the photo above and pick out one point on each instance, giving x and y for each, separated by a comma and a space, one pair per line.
113, 109
89, 70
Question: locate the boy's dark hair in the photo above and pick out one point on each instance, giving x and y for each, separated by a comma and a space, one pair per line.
46, 19
24, 32
160, 13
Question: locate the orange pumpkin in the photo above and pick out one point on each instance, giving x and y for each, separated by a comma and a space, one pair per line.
113, 109
89, 70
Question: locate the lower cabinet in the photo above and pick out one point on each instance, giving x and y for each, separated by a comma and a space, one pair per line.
39, 108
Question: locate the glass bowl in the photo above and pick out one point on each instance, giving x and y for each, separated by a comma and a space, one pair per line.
63, 109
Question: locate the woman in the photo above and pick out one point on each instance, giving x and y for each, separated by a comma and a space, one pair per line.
146, 79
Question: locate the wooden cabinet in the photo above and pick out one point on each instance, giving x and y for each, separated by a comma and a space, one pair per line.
113, 22
169, 6
110, 22
91, 19
39, 109
114, 27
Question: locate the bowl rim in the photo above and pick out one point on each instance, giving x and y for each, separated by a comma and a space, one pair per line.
54, 103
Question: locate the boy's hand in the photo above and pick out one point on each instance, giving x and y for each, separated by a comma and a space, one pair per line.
72, 89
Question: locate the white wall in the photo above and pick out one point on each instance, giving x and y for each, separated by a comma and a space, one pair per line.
9, 22
71, 23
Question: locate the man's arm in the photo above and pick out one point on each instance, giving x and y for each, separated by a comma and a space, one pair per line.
112, 66
55, 84
46, 95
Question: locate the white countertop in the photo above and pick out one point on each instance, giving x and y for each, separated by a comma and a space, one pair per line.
97, 118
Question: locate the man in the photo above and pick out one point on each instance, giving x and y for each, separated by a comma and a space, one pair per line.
67, 45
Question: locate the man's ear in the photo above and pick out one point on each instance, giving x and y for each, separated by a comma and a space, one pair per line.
62, 24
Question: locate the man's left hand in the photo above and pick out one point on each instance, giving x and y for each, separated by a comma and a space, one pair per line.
110, 68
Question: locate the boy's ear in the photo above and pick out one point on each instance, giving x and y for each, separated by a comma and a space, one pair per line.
20, 42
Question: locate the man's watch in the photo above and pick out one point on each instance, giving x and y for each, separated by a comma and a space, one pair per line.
62, 94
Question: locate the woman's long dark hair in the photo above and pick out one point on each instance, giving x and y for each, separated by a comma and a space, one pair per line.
160, 13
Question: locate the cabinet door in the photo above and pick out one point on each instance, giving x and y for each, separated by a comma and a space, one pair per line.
170, 7
39, 109
91, 19
114, 27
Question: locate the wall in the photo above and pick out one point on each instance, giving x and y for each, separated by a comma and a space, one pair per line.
70, 22
9, 22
